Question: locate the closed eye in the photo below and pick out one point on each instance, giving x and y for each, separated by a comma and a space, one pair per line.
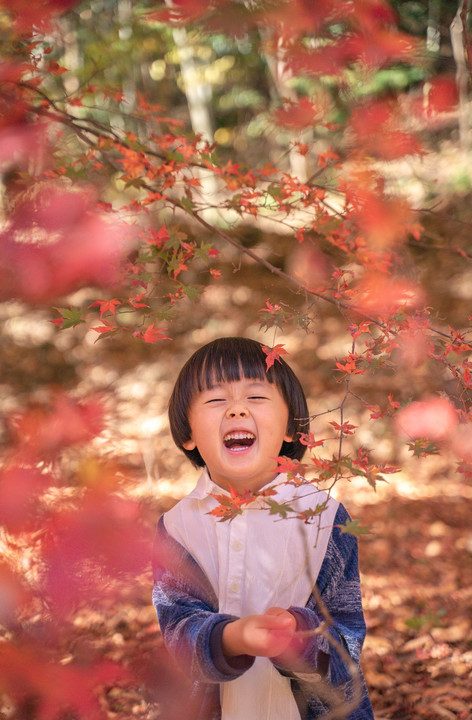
213, 400
257, 397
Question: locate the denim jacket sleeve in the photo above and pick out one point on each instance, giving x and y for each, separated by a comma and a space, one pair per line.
338, 587
187, 609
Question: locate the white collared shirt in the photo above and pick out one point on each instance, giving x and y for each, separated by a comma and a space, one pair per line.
253, 562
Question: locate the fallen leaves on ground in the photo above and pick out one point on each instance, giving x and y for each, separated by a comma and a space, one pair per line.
417, 583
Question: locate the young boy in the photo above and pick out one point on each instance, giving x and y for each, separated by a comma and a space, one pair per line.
236, 600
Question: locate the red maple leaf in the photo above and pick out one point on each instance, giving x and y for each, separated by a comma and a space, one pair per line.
106, 305
153, 334
289, 466
270, 308
135, 301
273, 354
309, 440
230, 506
158, 238
346, 428
350, 365
441, 96
56, 69
101, 329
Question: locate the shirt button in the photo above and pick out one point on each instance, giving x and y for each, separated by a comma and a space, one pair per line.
237, 545
234, 587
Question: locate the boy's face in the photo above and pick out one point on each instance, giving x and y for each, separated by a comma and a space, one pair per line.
238, 428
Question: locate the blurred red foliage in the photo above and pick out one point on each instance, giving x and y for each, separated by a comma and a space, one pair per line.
56, 242
434, 418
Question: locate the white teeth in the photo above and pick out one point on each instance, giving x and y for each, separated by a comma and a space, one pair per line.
239, 436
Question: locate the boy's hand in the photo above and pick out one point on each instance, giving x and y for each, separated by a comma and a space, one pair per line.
267, 635
291, 653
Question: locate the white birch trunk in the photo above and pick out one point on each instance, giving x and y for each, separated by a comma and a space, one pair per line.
458, 32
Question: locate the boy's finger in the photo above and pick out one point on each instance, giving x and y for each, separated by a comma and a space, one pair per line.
275, 622
275, 611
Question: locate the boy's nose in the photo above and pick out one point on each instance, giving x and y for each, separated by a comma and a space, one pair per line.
240, 411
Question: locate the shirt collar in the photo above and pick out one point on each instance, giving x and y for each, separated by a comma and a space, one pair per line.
205, 485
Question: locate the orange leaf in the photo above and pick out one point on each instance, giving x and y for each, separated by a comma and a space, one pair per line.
136, 301
158, 238
152, 334
273, 354
346, 428
289, 466
106, 306
105, 329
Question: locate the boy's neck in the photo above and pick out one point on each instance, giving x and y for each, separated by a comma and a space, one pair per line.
243, 486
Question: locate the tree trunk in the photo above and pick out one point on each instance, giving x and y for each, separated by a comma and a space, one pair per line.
280, 75
458, 31
433, 38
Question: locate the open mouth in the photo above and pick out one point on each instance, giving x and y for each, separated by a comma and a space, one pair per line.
239, 440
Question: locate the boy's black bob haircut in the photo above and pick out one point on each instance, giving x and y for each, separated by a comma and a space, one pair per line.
230, 359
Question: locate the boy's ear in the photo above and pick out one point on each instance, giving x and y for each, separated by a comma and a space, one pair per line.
288, 437
189, 445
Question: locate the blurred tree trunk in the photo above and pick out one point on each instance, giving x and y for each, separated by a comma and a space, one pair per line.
433, 37
199, 96
461, 53
197, 90
280, 75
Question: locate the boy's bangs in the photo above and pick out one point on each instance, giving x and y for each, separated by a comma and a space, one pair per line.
230, 364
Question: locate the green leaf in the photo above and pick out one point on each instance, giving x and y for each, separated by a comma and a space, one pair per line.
202, 252
309, 513
187, 204
278, 509
70, 316
192, 291
175, 155
275, 190
423, 447
353, 528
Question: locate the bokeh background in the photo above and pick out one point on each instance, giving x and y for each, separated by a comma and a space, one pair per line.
416, 559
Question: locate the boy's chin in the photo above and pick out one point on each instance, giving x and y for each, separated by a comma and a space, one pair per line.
240, 484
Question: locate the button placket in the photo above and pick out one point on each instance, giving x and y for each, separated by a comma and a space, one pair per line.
235, 576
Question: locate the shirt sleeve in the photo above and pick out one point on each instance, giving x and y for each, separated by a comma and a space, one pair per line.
186, 606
